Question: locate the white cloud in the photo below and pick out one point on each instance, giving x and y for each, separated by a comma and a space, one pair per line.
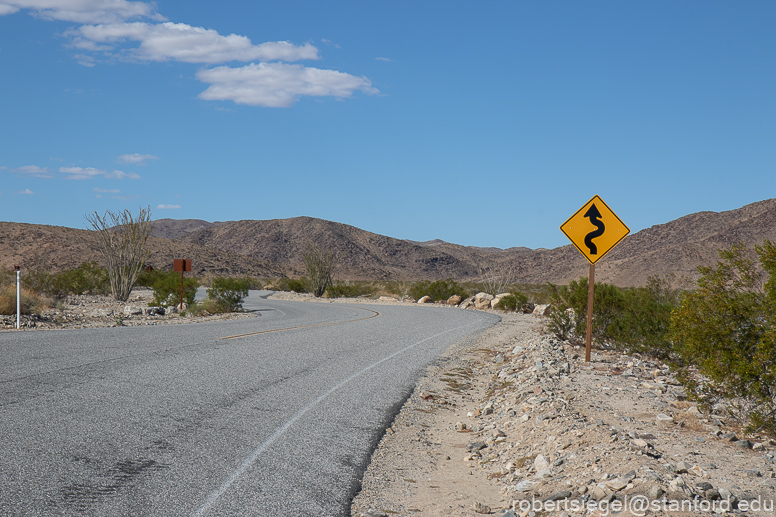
136, 158
167, 207
87, 173
384, 59
107, 191
182, 42
25, 192
84, 60
83, 11
278, 85
34, 170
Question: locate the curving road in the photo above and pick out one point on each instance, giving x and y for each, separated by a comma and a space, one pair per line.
279, 419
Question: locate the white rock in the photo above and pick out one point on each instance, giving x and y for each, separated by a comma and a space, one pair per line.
541, 462
426, 299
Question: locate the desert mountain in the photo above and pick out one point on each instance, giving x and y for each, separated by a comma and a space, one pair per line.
54, 248
274, 247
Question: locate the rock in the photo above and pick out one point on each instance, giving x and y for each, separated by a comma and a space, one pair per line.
426, 299
527, 308
693, 410
703, 486
682, 467
541, 310
540, 462
454, 300
744, 444
616, 484
698, 472
482, 300
460, 426
518, 350
599, 493
388, 299
475, 446
559, 496
544, 473
480, 508
753, 473
524, 486
132, 310
662, 418
468, 302
655, 493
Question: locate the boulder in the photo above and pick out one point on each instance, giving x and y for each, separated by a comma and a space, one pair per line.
388, 299
482, 300
426, 299
469, 302
454, 300
132, 310
542, 310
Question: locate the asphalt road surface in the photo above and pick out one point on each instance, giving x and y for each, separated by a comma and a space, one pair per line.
174, 420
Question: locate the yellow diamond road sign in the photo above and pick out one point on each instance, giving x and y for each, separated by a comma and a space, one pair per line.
594, 229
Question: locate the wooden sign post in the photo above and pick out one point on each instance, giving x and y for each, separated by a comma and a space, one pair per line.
594, 229
181, 265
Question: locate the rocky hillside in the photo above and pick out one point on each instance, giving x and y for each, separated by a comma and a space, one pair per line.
274, 248
54, 248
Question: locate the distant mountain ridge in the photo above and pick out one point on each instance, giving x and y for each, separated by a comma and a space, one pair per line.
274, 247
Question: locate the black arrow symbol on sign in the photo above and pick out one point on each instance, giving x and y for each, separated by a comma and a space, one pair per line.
595, 218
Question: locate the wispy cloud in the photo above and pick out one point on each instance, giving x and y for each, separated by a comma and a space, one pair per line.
87, 173
182, 42
278, 85
167, 207
26, 192
83, 11
137, 159
107, 191
131, 31
385, 59
34, 171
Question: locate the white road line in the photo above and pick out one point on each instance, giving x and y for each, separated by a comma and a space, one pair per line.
250, 460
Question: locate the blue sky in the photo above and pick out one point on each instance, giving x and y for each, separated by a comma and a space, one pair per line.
479, 123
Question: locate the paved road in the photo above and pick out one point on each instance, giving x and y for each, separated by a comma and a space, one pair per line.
172, 420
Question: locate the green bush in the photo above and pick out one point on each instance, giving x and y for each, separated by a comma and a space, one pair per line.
608, 306
512, 302
349, 289
228, 294
438, 290
644, 325
726, 328
167, 288
88, 278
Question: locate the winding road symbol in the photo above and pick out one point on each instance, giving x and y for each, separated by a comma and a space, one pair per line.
595, 218
594, 229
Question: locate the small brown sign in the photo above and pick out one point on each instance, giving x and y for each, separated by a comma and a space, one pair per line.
181, 265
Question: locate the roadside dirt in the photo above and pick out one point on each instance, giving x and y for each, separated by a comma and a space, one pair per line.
518, 423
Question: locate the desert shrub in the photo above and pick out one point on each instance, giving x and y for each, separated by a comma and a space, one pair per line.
167, 289
350, 289
608, 306
88, 278
228, 294
438, 290
320, 263
644, 325
38, 281
726, 328
512, 302
30, 302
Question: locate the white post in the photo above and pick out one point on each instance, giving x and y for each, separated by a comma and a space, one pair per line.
18, 296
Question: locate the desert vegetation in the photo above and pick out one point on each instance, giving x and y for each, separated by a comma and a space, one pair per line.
719, 336
121, 239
